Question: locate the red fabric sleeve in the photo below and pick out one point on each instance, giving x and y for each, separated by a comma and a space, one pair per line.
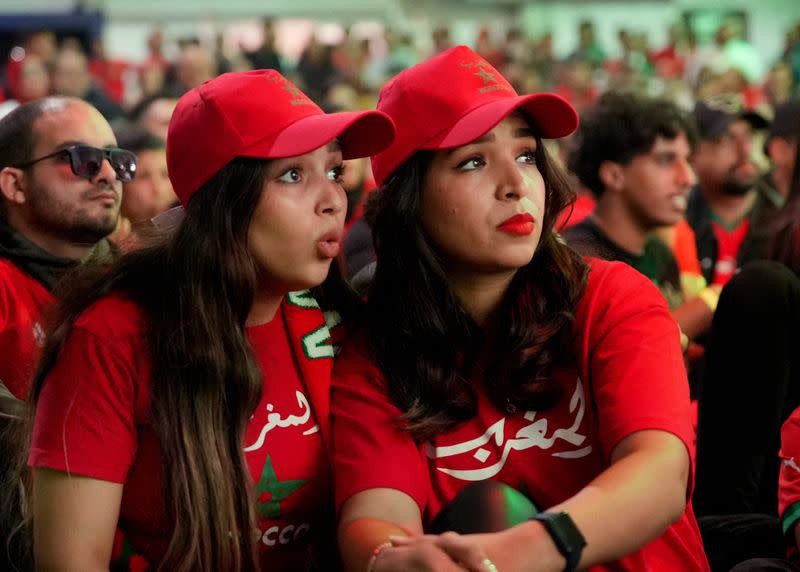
789, 478
370, 450
631, 355
84, 420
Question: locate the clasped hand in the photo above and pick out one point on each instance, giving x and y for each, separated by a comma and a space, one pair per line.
512, 550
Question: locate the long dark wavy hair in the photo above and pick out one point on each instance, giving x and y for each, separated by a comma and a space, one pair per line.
424, 341
196, 289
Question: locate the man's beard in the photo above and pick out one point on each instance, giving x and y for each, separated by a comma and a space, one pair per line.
92, 231
83, 230
734, 187
79, 227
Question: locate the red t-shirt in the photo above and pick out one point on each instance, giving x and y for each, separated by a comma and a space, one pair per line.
628, 376
23, 301
789, 478
93, 418
729, 241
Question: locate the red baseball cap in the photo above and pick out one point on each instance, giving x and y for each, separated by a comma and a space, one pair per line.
454, 98
259, 114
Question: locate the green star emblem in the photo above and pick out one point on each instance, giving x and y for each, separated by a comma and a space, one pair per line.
485, 76
293, 90
278, 491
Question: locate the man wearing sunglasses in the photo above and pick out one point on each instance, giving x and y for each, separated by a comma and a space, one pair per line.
61, 177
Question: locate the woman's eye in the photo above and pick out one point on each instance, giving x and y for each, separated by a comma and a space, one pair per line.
471, 164
290, 176
336, 173
528, 157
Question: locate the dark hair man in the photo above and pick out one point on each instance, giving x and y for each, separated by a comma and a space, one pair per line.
633, 154
60, 190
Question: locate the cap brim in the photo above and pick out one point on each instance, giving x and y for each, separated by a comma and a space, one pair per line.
360, 134
551, 115
755, 119
721, 126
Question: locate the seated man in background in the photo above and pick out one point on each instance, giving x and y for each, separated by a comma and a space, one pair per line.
730, 203
633, 154
60, 188
61, 180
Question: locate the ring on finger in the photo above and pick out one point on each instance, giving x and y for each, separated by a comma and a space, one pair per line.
488, 565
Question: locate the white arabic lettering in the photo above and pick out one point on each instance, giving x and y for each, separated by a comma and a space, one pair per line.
532, 435
791, 464
274, 420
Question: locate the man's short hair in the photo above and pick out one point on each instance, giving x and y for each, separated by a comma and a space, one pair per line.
17, 137
619, 127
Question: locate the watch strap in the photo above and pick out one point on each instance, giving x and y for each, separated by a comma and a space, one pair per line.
566, 536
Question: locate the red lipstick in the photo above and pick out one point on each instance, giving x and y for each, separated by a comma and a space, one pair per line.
518, 225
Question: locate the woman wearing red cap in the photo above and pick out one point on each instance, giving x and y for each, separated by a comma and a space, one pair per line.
183, 399
492, 353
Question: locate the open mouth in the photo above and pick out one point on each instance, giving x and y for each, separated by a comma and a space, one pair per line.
330, 244
679, 202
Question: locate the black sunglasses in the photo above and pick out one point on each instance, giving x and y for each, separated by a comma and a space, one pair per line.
87, 161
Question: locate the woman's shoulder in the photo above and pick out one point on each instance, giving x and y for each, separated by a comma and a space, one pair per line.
113, 316
616, 289
610, 278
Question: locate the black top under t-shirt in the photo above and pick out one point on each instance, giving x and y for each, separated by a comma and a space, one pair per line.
656, 261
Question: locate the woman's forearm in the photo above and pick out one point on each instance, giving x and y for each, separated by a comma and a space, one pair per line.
359, 538
633, 501
369, 518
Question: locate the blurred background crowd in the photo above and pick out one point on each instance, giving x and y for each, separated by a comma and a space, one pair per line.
703, 53
133, 68
132, 61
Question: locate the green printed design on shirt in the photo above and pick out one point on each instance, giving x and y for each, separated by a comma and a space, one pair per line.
278, 491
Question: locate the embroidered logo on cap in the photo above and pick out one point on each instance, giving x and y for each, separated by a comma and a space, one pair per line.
728, 103
292, 89
489, 81
298, 97
485, 75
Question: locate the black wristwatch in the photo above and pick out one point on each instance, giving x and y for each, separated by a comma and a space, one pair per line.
566, 536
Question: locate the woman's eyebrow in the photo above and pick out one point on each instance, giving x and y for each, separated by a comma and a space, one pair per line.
524, 132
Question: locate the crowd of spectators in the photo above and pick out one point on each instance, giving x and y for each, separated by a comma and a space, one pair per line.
686, 166
349, 73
